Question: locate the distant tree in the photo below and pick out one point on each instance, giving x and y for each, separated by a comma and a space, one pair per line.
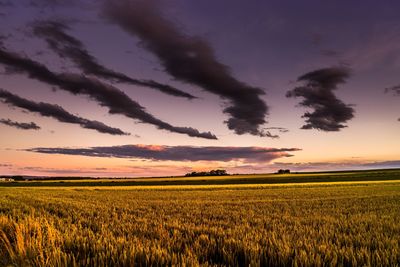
210, 173
282, 171
18, 178
221, 172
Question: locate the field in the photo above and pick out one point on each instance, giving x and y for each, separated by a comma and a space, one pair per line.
321, 222
348, 176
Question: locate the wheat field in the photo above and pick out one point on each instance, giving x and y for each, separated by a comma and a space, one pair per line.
342, 224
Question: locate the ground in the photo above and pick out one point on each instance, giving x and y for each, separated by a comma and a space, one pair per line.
325, 221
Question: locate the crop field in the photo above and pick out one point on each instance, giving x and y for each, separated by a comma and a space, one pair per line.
294, 224
350, 176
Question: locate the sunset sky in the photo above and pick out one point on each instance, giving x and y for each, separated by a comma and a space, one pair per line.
156, 88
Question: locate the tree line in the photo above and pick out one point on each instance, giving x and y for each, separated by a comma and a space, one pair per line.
210, 173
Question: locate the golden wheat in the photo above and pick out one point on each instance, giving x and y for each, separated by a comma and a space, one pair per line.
330, 225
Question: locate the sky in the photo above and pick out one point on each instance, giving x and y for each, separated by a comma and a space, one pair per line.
133, 88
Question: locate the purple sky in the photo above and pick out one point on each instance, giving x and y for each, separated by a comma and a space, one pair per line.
167, 87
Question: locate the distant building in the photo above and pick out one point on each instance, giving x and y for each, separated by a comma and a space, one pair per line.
6, 179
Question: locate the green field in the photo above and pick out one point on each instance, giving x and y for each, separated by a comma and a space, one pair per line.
310, 219
372, 175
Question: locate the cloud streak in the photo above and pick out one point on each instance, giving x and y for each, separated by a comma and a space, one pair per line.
334, 166
176, 153
6, 165
191, 60
280, 129
106, 95
67, 46
56, 112
20, 125
329, 112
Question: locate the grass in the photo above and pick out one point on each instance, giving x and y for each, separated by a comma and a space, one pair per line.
319, 224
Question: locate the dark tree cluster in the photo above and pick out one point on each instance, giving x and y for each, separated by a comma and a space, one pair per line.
210, 173
282, 171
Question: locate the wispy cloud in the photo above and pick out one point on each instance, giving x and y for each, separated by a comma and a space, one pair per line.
20, 125
6, 165
176, 153
57, 112
191, 60
339, 165
120, 171
381, 48
329, 113
280, 129
61, 171
395, 90
106, 95
67, 46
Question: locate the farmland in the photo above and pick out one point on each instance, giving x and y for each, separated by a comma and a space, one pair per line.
322, 222
349, 176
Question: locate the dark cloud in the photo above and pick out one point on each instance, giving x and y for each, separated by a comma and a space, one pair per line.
20, 125
191, 60
106, 95
67, 46
394, 89
57, 112
329, 112
176, 153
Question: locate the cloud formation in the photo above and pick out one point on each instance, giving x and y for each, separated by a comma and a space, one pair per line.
329, 112
191, 60
57, 112
20, 125
176, 153
67, 46
106, 95
394, 89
